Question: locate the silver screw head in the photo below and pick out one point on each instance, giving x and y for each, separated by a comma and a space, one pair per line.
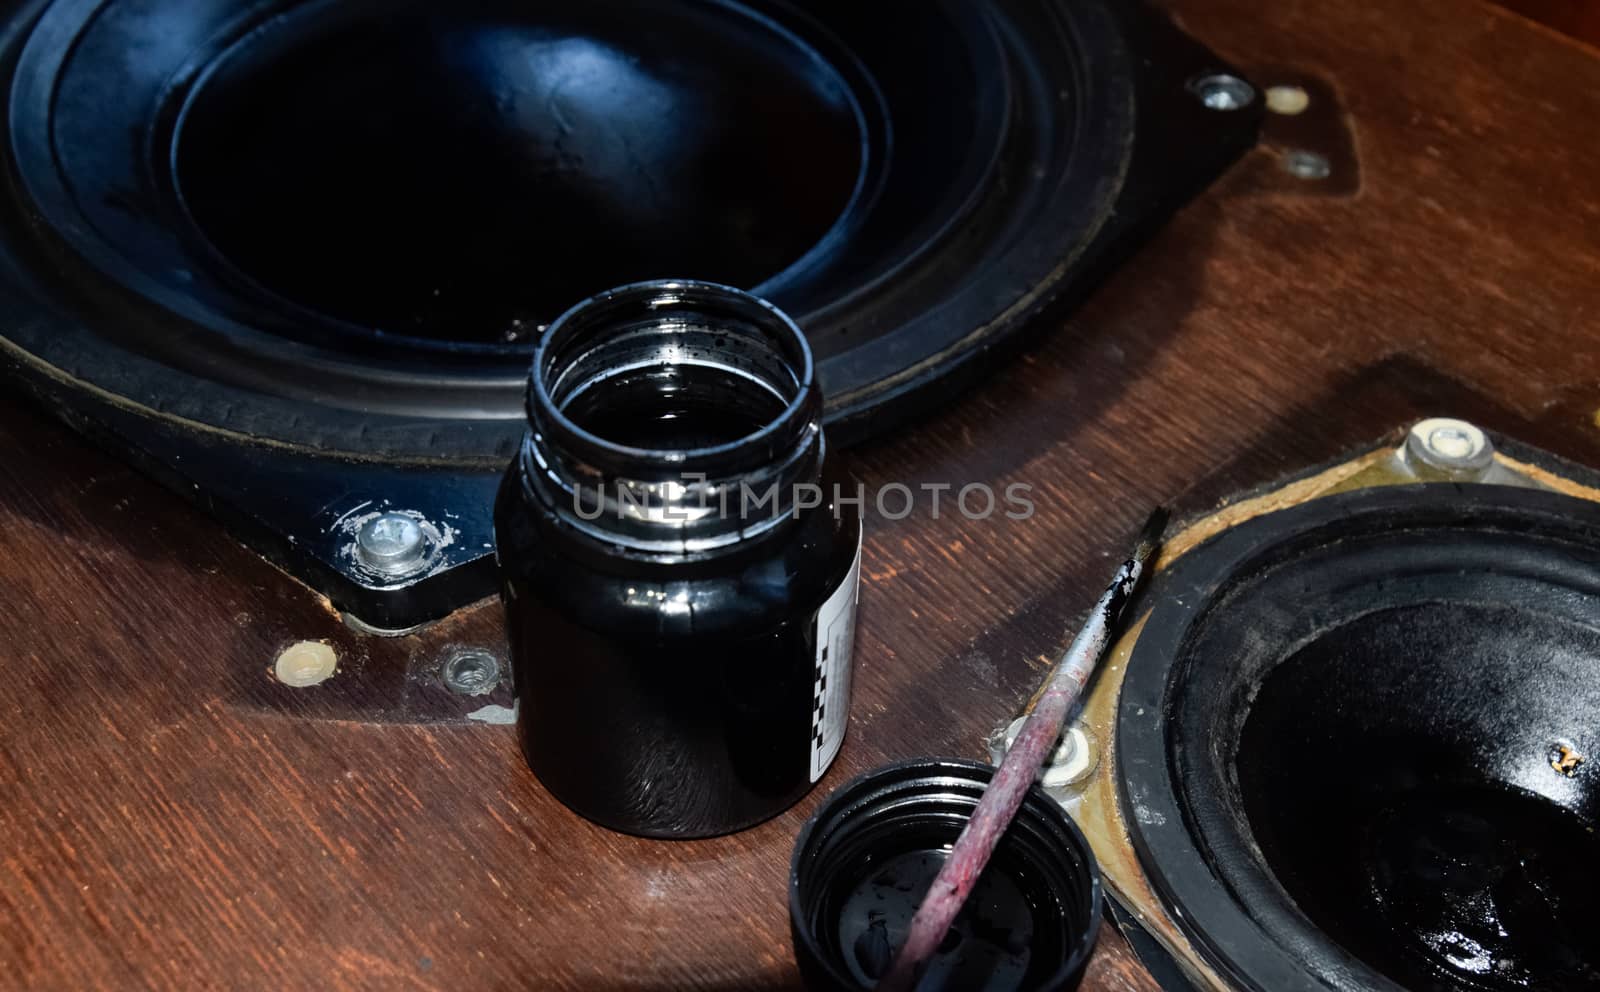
1454, 447
392, 543
471, 673
1221, 91
1070, 763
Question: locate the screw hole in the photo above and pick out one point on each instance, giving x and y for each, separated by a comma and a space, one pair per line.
471, 673
1306, 165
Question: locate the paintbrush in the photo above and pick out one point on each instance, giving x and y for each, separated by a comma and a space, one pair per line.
1019, 770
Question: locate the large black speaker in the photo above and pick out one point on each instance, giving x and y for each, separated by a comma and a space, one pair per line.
292, 253
1355, 736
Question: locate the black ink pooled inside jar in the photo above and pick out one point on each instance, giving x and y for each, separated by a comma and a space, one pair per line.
675, 407
987, 947
866, 860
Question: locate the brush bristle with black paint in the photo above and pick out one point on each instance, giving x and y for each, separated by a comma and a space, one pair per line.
1150, 536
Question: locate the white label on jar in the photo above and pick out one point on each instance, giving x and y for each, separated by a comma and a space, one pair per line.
830, 691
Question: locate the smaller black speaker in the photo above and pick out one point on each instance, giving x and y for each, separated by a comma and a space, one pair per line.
1355, 737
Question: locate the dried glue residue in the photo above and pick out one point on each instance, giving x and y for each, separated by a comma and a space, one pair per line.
305, 663
1288, 100
1565, 759
494, 714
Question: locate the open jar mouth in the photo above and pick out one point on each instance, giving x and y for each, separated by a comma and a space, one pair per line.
672, 375
673, 416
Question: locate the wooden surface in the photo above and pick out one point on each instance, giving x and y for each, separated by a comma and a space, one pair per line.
170, 817
1575, 18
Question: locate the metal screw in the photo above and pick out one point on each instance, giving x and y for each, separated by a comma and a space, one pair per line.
1223, 92
1070, 763
1454, 447
471, 673
1306, 165
392, 543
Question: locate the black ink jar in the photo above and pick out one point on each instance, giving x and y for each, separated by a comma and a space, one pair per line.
678, 569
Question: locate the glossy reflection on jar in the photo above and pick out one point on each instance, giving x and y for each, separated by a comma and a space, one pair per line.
678, 575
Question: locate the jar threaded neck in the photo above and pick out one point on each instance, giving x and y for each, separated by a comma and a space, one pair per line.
672, 417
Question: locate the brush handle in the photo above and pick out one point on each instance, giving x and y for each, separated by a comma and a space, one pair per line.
1011, 782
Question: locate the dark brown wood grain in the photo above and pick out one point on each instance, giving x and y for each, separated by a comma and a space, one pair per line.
1579, 19
171, 817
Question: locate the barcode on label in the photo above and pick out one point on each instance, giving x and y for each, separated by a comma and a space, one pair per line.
830, 690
